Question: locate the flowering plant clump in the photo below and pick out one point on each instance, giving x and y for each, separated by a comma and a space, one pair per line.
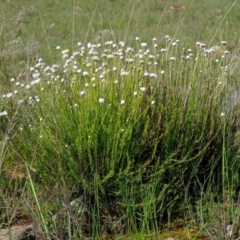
113, 121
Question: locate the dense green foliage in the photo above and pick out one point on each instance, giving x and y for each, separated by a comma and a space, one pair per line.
137, 131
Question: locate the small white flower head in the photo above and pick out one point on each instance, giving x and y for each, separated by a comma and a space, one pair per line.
146, 52
135, 93
129, 50
58, 48
130, 60
154, 39
203, 45
153, 75
85, 73
38, 65
168, 38
121, 44
222, 114
174, 44
143, 89
68, 61
146, 74
4, 113
137, 38
172, 59
95, 58
224, 42
92, 52
143, 45
64, 56
114, 69
88, 64
162, 72
110, 56
122, 102
124, 73
36, 75
101, 100
152, 102
74, 68
82, 93
79, 44
65, 51
9, 95
12, 80
109, 43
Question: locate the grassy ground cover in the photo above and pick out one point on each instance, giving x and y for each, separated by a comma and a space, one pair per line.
118, 117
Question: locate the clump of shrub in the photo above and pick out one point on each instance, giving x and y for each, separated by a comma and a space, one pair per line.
132, 131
